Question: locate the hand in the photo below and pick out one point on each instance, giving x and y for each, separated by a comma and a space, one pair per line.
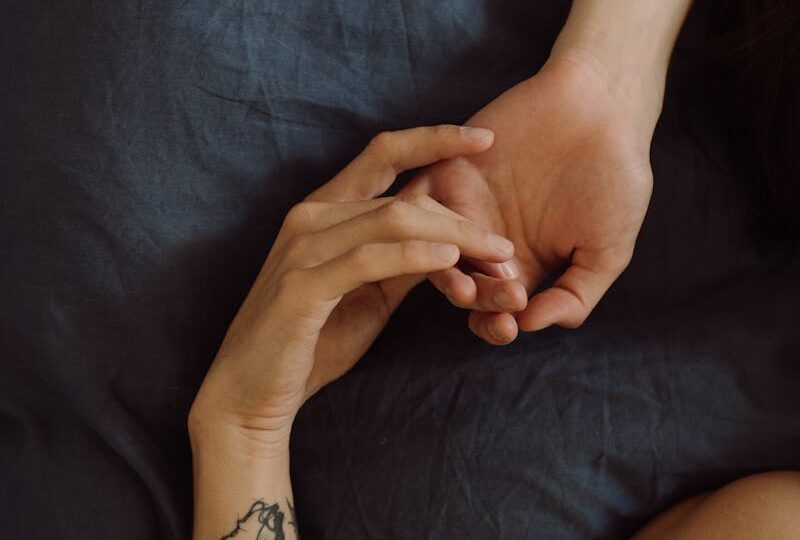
340, 265
568, 180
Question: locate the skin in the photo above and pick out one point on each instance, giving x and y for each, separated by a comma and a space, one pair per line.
568, 181
760, 507
563, 184
569, 177
341, 264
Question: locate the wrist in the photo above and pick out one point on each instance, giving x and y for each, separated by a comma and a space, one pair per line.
214, 432
234, 474
624, 110
626, 43
636, 97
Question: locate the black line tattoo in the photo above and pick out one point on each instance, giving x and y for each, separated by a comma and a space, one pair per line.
291, 513
269, 521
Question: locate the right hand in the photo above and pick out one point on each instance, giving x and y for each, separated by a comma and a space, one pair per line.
341, 264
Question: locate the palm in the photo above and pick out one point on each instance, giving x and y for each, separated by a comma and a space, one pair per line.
562, 182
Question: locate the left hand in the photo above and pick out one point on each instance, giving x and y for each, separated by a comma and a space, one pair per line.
568, 180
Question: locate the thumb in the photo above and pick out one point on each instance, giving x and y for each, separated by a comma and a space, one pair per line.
571, 299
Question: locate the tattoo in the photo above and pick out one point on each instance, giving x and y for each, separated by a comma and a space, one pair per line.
291, 512
269, 521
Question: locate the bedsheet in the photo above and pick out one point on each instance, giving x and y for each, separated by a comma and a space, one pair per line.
148, 152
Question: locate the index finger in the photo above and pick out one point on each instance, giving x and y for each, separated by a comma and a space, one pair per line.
392, 152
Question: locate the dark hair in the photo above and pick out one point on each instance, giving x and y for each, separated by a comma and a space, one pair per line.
752, 87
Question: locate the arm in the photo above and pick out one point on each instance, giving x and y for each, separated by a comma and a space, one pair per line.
341, 264
241, 490
629, 42
568, 179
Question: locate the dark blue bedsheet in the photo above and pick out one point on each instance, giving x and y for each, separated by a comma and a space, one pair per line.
148, 152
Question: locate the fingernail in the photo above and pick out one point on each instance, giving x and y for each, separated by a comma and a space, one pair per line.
446, 252
501, 245
509, 269
503, 300
476, 133
494, 333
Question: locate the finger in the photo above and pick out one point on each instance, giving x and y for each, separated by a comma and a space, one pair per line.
309, 216
479, 292
493, 328
421, 183
392, 152
573, 296
396, 221
369, 263
505, 270
498, 295
458, 287
487, 296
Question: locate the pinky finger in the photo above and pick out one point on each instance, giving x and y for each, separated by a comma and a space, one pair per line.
369, 263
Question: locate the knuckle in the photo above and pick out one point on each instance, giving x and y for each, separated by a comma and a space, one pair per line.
381, 143
465, 228
381, 151
395, 215
300, 217
303, 251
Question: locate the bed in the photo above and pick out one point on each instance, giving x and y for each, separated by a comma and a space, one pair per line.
149, 151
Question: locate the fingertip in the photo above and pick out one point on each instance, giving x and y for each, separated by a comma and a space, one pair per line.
542, 312
447, 254
480, 136
502, 327
495, 328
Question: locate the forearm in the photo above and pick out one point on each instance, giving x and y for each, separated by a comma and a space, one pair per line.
240, 492
631, 40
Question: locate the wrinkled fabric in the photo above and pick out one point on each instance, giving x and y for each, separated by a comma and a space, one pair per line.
148, 153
